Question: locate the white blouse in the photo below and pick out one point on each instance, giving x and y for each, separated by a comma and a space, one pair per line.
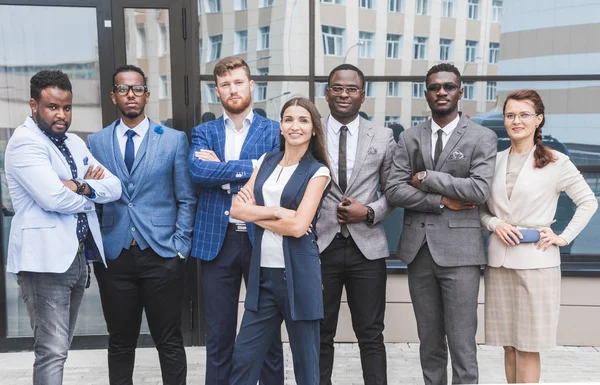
272, 243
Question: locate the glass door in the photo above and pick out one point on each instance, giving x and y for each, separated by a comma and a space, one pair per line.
69, 36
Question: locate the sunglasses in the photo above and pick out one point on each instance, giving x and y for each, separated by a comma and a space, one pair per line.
448, 87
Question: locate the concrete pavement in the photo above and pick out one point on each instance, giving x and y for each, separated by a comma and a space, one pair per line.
565, 364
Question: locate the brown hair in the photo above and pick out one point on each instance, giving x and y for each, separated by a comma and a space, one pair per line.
228, 64
543, 154
316, 146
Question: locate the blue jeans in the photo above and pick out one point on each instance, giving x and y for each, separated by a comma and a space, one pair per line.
53, 301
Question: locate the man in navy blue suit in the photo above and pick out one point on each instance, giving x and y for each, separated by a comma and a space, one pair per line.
222, 157
147, 233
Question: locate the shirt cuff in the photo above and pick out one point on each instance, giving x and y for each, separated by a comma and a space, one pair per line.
226, 186
254, 163
93, 196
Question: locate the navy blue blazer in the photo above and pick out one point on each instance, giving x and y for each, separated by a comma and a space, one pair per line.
214, 203
158, 201
301, 255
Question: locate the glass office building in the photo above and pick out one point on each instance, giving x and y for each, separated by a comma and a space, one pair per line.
291, 45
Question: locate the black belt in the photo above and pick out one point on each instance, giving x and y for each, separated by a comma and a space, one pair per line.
239, 227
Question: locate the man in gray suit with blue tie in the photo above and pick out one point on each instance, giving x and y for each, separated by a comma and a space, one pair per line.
147, 232
442, 170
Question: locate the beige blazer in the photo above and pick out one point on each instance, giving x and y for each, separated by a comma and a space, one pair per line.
533, 204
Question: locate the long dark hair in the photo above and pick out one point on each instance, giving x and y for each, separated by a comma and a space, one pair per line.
543, 154
316, 147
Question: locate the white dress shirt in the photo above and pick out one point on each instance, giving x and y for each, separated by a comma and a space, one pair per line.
446, 130
234, 140
333, 145
271, 251
141, 129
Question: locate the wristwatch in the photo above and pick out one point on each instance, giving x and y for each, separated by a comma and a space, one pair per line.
370, 216
81, 185
422, 175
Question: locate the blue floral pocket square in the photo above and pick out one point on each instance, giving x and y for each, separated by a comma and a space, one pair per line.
85, 161
456, 155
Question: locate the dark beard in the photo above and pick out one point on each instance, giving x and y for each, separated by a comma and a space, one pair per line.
132, 114
48, 128
239, 108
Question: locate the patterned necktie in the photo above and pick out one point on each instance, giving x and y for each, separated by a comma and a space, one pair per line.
342, 167
438, 147
82, 220
130, 150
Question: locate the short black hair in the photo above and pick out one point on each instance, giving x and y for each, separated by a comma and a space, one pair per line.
443, 67
45, 79
350, 67
128, 68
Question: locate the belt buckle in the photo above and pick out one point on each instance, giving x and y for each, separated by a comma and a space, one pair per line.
80, 248
134, 242
241, 227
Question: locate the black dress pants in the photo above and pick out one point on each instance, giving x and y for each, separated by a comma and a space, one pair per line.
342, 264
142, 280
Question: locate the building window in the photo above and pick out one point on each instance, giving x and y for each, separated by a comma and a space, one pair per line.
141, 50
393, 46
494, 52
496, 10
445, 49
414, 120
418, 90
473, 10
332, 1
368, 4
215, 47
240, 5
422, 7
320, 88
369, 88
240, 45
214, 6
264, 71
163, 40
469, 90
266, 3
490, 93
420, 48
395, 5
393, 89
389, 120
471, 51
163, 87
211, 94
264, 40
333, 40
365, 41
447, 8
260, 92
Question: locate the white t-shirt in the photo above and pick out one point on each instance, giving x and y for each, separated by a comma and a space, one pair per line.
272, 243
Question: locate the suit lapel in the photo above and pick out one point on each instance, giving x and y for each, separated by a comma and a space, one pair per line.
220, 142
452, 142
426, 146
365, 137
30, 123
113, 153
254, 133
500, 179
153, 140
523, 176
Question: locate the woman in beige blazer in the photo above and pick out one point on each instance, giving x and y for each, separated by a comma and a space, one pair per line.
522, 280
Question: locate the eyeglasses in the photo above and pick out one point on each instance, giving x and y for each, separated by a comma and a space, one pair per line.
338, 90
123, 89
448, 87
523, 116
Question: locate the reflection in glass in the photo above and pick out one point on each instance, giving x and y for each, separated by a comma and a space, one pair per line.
147, 46
26, 47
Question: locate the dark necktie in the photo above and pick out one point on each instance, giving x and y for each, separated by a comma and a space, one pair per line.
439, 145
342, 168
130, 150
82, 220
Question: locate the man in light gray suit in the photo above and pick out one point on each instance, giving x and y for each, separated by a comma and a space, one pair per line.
442, 170
350, 233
